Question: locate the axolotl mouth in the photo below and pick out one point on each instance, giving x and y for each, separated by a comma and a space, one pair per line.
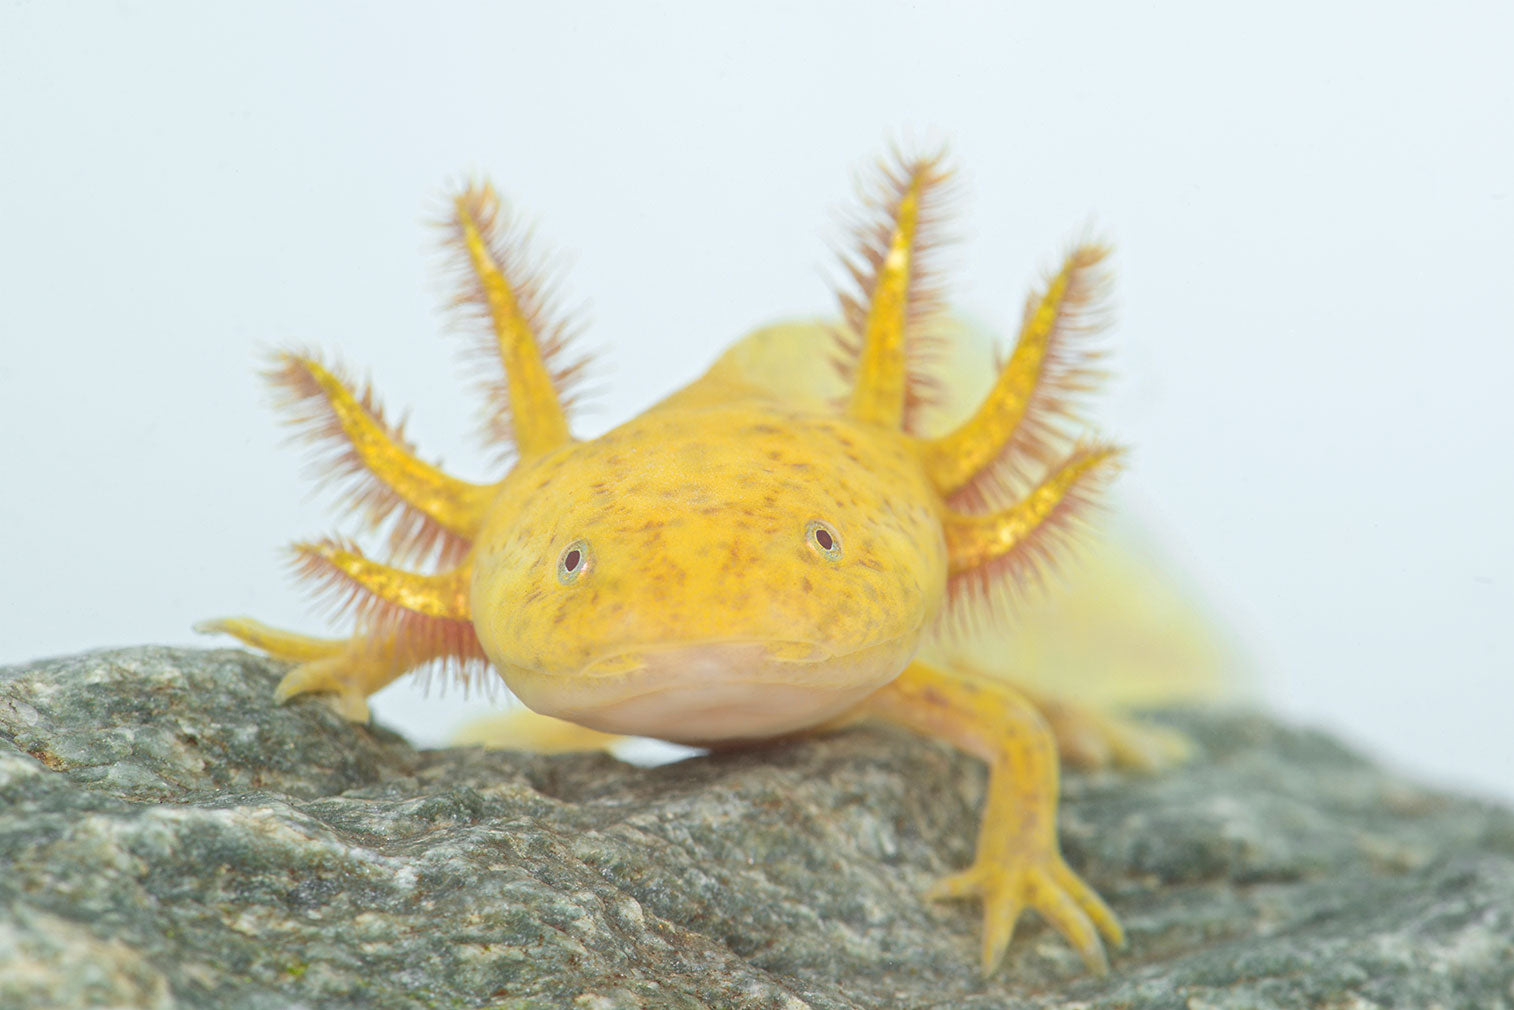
710, 692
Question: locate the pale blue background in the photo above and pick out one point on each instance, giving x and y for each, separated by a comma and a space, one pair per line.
1312, 203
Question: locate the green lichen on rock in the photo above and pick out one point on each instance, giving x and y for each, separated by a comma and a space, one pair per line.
171, 838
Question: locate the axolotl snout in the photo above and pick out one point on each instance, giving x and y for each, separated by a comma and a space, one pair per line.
760, 554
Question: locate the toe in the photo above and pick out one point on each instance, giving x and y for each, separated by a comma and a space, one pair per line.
1001, 910
321, 677
956, 885
1062, 911
1093, 906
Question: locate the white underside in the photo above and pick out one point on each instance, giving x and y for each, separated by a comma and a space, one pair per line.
721, 712
707, 693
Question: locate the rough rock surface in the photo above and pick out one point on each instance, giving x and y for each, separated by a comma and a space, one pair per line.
170, 838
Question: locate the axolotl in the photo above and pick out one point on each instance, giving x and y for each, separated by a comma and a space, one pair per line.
748, 559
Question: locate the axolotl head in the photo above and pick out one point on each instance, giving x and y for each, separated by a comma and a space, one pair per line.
710, 575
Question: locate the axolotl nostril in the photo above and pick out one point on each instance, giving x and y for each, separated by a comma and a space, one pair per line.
760, 554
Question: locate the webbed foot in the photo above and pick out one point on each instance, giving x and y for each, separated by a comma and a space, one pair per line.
1018, 864
345, 670
1010, 883
334, 679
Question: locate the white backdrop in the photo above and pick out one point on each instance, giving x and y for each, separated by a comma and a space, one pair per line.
1312, 205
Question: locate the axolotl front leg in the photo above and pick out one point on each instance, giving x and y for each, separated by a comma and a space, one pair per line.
1018, 864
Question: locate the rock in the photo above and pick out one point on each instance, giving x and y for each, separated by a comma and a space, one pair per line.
171, 838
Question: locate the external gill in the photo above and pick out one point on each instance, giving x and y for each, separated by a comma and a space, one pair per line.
368, 584
529, 405
989, 553
893, 280
380, 473
1016, 423
1019, 533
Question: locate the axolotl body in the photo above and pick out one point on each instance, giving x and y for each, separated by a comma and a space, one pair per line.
750, 558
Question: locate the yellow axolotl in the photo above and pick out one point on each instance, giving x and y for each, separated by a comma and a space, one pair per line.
750, 558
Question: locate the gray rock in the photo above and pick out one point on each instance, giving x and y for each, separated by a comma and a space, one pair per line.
171, 838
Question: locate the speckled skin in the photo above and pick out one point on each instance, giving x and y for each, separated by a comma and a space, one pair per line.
696, 515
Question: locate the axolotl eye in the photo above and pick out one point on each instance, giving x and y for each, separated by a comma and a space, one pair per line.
823, 539
574, 562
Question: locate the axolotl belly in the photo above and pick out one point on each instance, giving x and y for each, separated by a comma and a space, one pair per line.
758, 555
